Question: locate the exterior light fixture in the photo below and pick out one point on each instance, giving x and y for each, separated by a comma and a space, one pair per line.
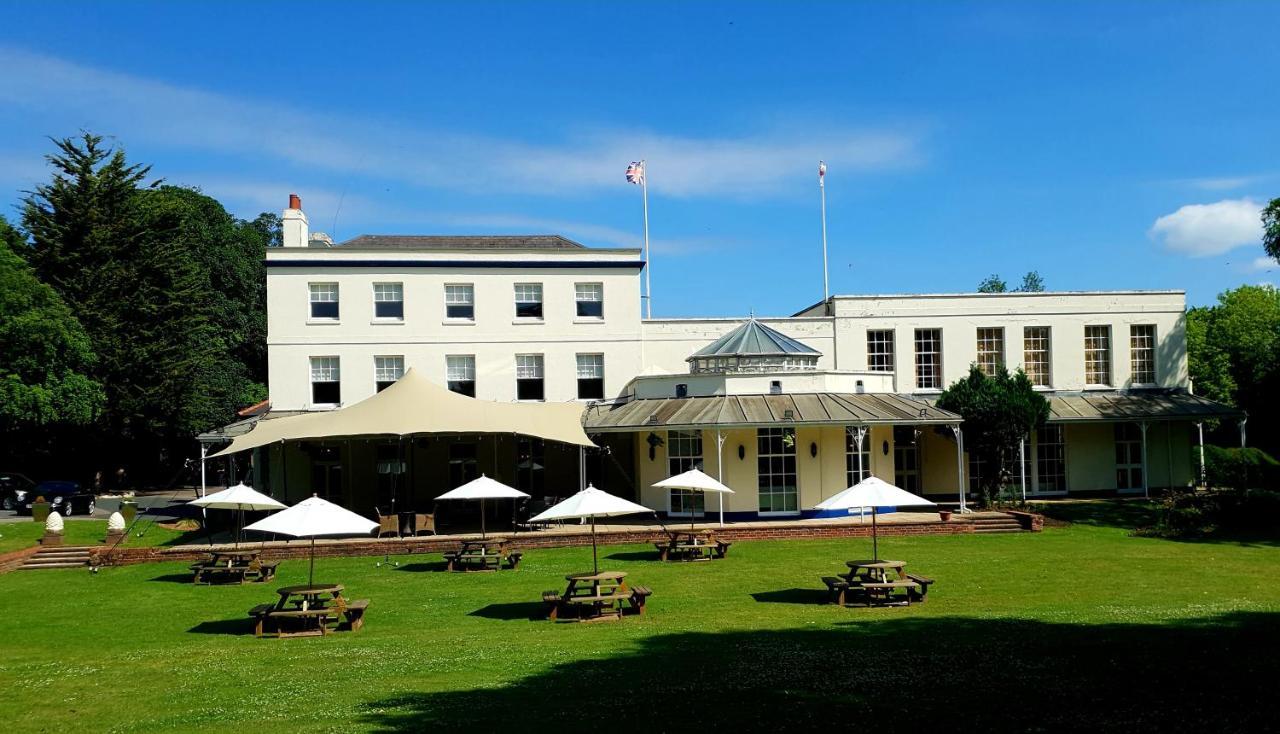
813, 449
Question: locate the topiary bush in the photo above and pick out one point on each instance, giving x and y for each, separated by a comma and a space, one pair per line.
1240, 468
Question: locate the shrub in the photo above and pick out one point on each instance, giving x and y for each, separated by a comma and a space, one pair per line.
1240, 468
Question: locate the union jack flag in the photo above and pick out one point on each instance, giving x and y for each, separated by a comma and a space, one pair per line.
822, 172
635, 172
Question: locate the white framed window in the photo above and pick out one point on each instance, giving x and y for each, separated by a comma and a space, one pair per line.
460, 372
856, 456
530, 382
880, 350
1128, 456
1097, 355
460, 301
589, 299
1035, 355
590, 376
326, 381
386, 370
528, 300
684, 452
906, 458
1051, 458
929, 359
990, 349
388, 301
324, 301
1142, 353
776, 471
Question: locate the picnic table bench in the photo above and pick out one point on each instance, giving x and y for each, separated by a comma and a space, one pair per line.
489, 554
872, 583
592, 597
228, 566
692, 546
305, 611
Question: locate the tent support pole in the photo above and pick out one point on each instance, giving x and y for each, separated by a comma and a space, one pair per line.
875, 537
595, 562
1022, 467
1200, 429
960, 465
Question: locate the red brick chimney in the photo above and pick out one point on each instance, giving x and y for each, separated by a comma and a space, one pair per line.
295, 201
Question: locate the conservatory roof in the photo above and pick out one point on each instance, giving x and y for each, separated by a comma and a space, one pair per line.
754, 339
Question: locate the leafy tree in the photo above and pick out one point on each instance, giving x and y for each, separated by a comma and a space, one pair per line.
999, 412
43, 377
1032, 283
1233, 356
993, 284
1271, 229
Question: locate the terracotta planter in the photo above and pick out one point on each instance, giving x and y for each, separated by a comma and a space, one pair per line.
40, 511
945, 515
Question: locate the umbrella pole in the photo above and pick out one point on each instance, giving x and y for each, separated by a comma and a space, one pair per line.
482, 518
595, 562
875, 537
311, 573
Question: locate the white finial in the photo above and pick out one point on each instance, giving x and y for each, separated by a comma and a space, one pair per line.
115, 522
53, 524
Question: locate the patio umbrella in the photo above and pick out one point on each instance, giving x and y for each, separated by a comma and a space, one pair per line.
482, 489
241, 497
694, 480
315, 518
591, 503
874, 493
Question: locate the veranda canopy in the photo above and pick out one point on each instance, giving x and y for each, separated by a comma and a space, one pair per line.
414, 404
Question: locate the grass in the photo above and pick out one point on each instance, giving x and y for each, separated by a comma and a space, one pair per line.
18, 535
1079, 627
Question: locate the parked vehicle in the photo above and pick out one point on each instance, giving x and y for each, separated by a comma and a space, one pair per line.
13, 489
64, 496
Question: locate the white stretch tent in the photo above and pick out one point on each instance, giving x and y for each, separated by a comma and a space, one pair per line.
482, 489
414, 404
875, 493
592, 503
315, 518
696, 481
240, 497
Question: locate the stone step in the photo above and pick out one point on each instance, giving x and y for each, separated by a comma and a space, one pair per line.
40, 566
997, 530
45, 561
50, 553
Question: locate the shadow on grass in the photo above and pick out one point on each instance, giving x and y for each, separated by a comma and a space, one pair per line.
224, 627
634, 556
526, 610
951, 673
792, 596
1110, 513
424, 566
174, 578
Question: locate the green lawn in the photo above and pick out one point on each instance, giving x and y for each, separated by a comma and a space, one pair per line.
1077, 628
17, 535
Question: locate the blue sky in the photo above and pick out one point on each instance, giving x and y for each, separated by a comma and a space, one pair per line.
1106, 145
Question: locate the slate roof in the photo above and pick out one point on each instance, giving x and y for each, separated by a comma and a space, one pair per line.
753, 339
727, 411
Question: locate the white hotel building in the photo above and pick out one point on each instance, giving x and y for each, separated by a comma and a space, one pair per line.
785, 410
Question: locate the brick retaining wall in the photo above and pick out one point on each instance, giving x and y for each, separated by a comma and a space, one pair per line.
547, 539
13, 559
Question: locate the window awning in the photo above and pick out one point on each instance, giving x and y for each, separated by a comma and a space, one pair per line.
741, 411
415, 405
1137, 405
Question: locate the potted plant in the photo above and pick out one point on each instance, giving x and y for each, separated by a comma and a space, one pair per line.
945, 515
40, 510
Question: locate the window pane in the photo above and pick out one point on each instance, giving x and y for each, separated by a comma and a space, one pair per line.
929, 359
1035, 354
459, 301
776, 469
990, 350
1097, 355
388, 300
589, 299
529, 382
388, 369
325, 381
1142, 356
880, 350
324, 300
529, 300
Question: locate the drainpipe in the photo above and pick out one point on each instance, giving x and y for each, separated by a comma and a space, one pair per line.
1200, 429
204, 451
1022, 467
720, 471
1146, 490
960, 465
1243, 421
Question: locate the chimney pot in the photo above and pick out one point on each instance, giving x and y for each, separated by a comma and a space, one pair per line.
295, 201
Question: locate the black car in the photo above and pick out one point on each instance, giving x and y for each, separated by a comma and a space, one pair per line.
64, 496
13, 489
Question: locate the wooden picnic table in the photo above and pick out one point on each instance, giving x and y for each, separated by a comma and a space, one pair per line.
691, 545
482, 554
309, 609
875, 570
591, 597
876, 582
232, 565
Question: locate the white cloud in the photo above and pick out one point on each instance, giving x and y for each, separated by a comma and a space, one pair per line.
1200, 230
591, 159
1263, 263
590, 234
1219, 183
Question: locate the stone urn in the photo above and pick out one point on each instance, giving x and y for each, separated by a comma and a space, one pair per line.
52, 530
40, 510
115, 528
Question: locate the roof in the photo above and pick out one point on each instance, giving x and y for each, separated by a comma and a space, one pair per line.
463, 242
1135, 405
728, 411
753, 339
415, 405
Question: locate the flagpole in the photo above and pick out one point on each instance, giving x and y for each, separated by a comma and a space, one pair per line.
822, 188
648, 266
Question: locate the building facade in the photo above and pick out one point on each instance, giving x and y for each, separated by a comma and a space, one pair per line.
787, 411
